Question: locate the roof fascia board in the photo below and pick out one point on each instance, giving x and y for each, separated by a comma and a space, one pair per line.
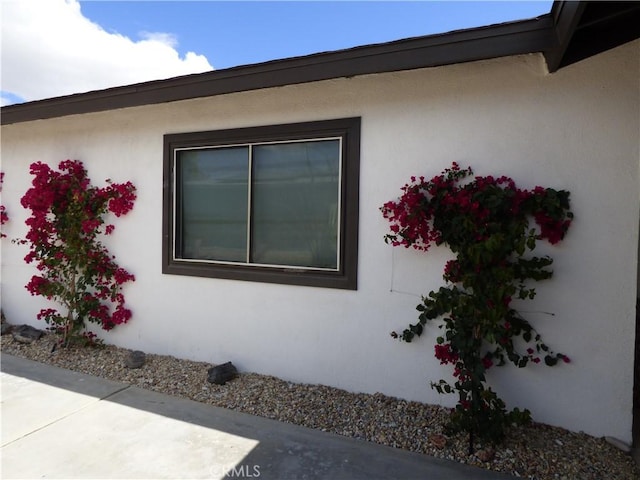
514, 38
566, 17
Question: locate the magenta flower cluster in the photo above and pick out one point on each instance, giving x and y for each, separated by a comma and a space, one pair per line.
4, 217
75, 268
417, 217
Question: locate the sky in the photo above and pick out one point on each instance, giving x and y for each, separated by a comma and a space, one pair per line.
51, 48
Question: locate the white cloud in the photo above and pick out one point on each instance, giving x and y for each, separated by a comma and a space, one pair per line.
168, 39
50, 49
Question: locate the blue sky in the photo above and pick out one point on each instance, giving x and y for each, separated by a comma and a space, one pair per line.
240, 32
60, 47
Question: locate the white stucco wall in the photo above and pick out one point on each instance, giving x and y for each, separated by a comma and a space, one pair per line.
576, 129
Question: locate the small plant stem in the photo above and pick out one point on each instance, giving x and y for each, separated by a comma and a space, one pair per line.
71, 307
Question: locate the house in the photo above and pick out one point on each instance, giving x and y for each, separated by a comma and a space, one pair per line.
552, 101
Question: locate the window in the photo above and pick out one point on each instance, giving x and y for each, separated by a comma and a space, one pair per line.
274, 204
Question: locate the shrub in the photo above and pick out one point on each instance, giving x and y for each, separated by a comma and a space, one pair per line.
75, 268
487, 224
4, 217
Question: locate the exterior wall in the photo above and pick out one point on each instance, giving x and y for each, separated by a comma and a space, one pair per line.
576, 129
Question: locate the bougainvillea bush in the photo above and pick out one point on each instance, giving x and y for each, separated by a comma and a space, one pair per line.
491, 226
4, 217
75, 269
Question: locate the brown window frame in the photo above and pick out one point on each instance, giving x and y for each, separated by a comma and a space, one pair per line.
345, 277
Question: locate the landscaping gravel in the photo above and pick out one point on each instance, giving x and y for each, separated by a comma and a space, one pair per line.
534, 452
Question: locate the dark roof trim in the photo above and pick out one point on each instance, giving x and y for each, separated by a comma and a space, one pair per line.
506, 39
585, 29
573, 31
566, 16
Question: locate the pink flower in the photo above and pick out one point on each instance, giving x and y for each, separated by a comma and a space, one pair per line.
445, 354
46, 313
121, 276
88, 226
37, 285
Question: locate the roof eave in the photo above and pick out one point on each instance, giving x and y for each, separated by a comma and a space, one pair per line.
587, 28
514, 38
566, 16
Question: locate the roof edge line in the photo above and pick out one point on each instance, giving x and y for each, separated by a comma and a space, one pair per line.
459, 46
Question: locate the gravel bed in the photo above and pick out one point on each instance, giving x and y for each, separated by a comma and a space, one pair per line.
534, 452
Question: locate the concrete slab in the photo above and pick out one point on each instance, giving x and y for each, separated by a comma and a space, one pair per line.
22, 396
110, 430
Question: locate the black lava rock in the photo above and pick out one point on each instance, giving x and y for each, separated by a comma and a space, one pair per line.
221, 374
26, 334
135, 359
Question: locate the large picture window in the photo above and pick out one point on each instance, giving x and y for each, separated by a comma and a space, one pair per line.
272, 204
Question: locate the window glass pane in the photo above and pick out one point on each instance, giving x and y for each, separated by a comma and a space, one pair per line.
278, 205
296, 190
212, 223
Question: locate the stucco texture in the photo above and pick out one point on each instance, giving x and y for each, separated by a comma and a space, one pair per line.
576, 129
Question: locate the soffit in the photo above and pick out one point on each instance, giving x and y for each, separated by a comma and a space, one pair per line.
585, 29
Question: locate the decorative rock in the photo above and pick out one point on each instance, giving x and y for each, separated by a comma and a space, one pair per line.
486, 454
4, 326
438, 441
534, 453
221, 374
625, 447
135, 359
26, 334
